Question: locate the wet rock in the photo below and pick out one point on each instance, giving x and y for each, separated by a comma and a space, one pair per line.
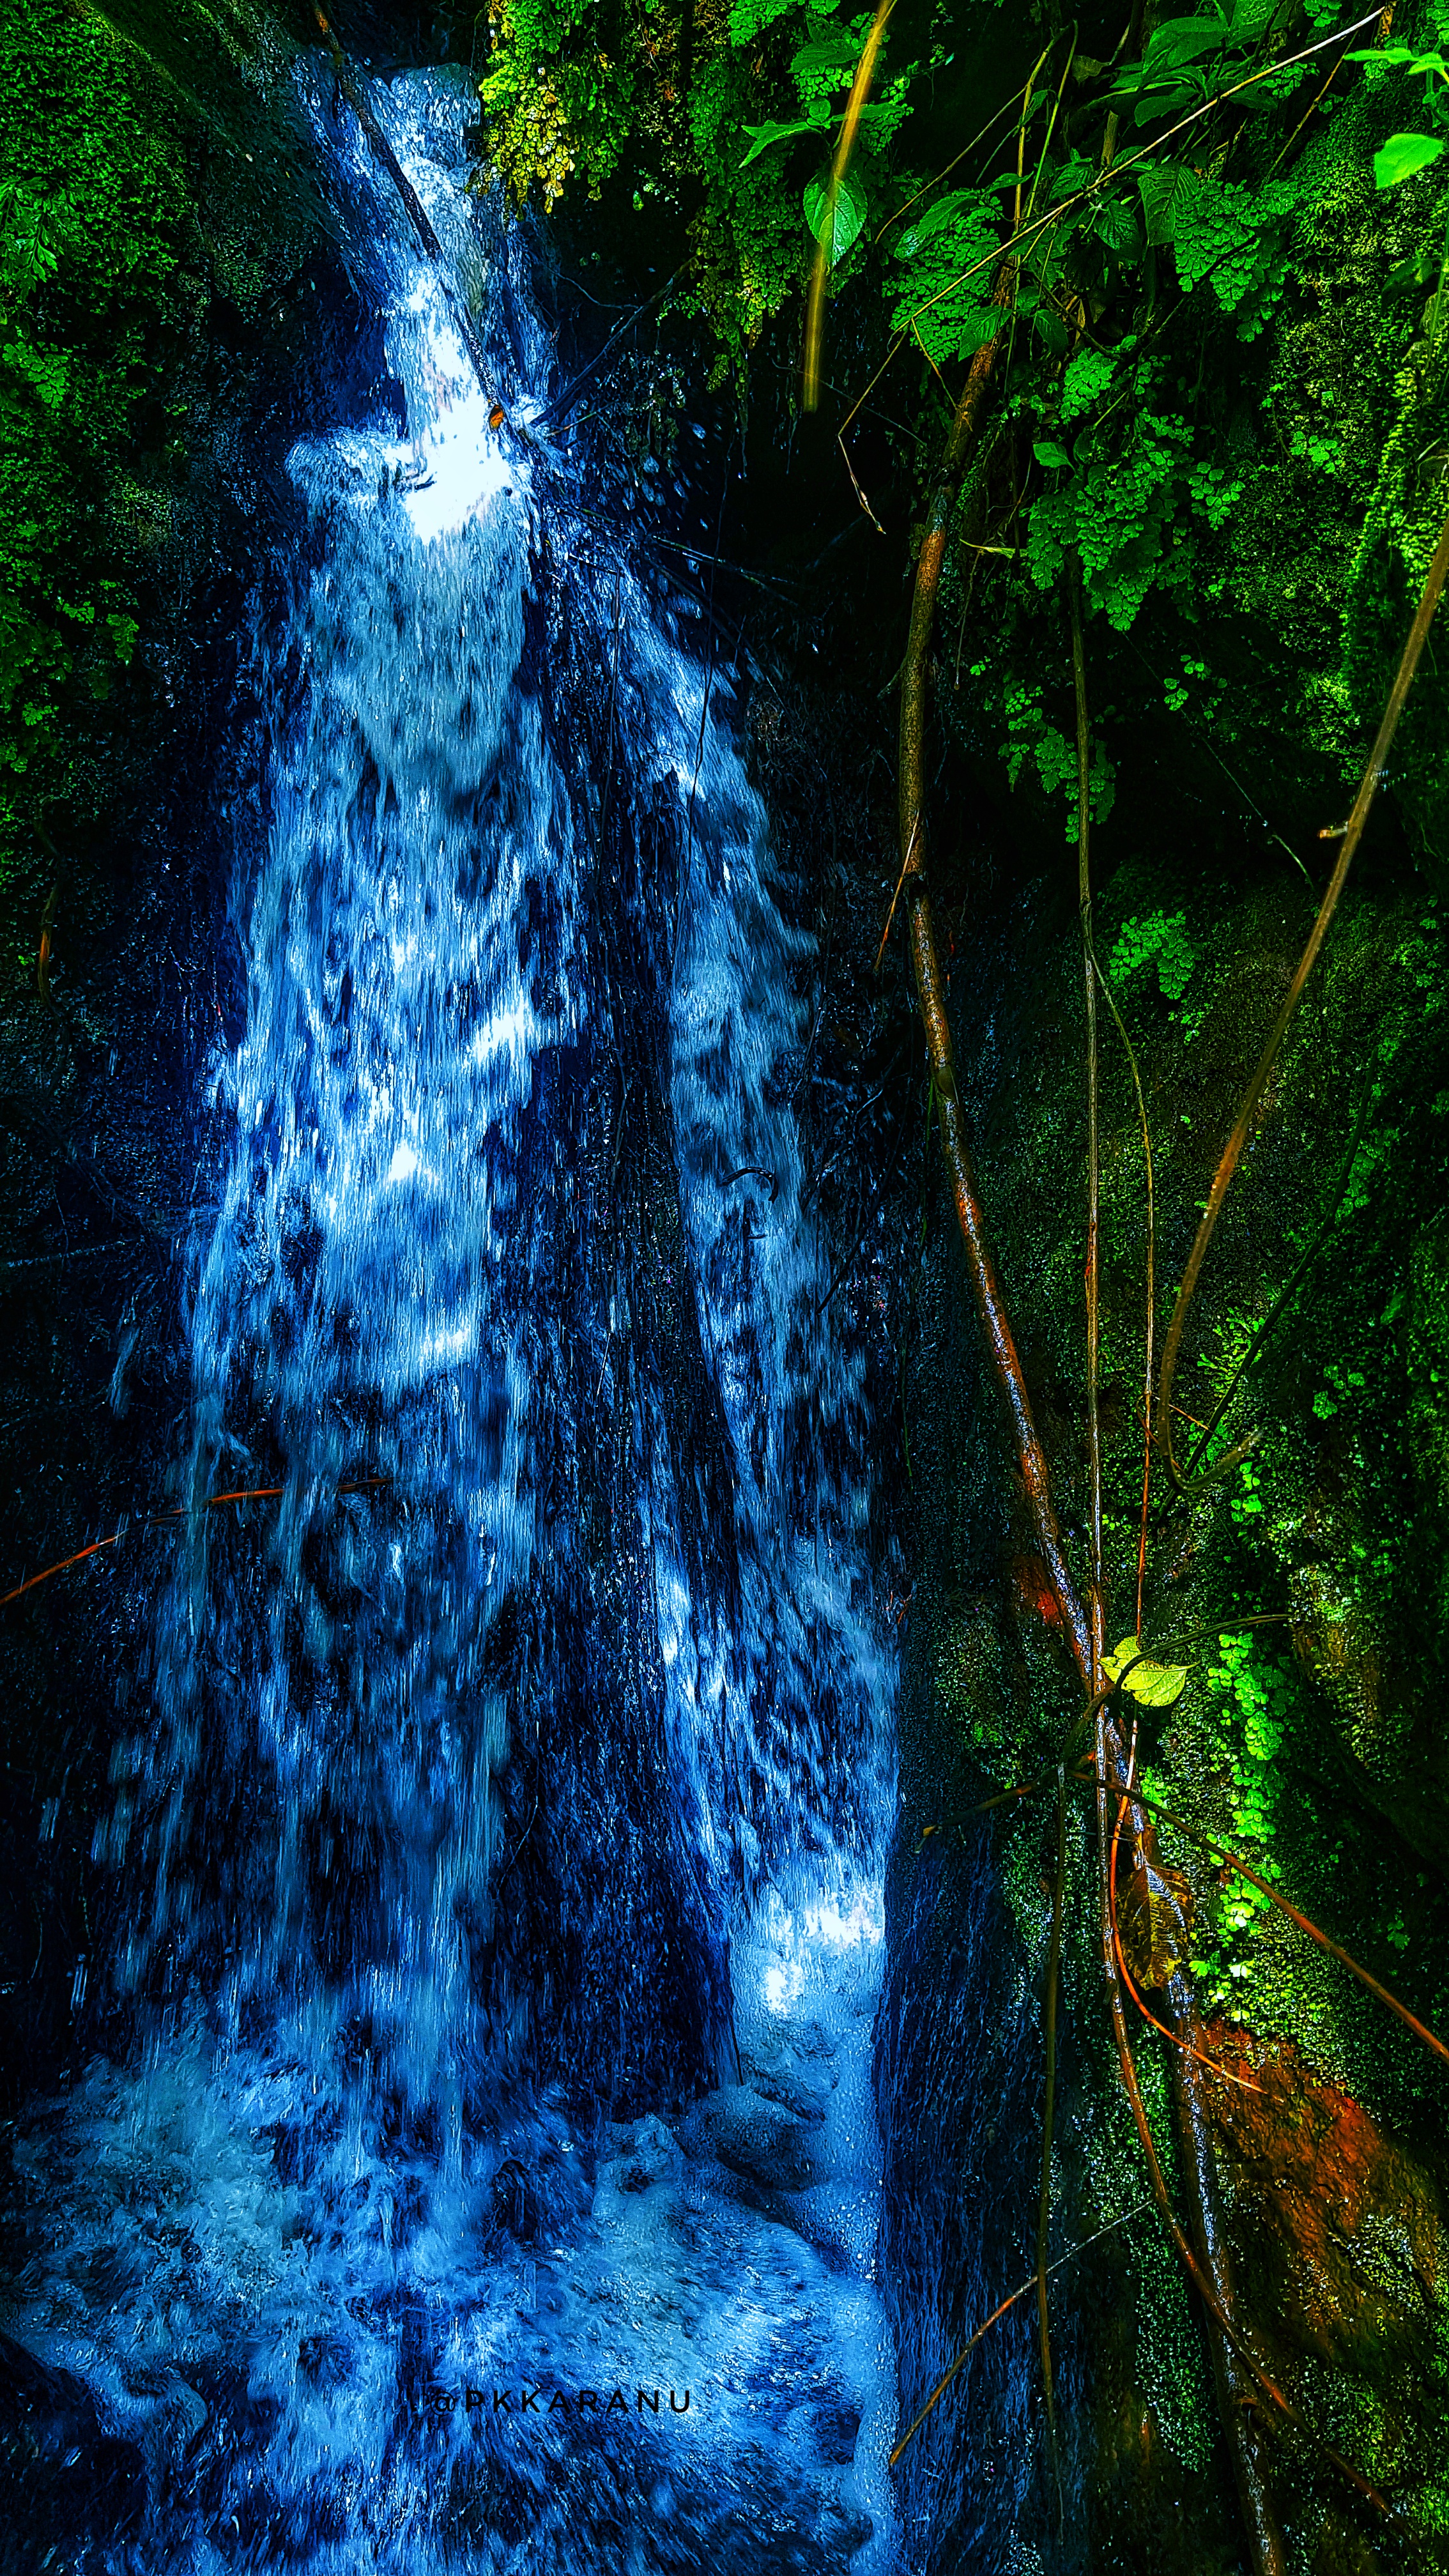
777, 2082
836, 2426
752, 2137
650, 2157
62, 2475
1341, 2252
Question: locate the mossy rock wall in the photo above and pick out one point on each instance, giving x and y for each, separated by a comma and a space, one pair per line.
1313, 1744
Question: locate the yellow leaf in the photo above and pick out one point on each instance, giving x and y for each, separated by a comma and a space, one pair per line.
1151, 1685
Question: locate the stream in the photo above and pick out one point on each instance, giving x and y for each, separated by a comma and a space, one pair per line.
482, 2170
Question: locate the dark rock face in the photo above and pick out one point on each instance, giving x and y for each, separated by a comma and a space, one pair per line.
1312, 1745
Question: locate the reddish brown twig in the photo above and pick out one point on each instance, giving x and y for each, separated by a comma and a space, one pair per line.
1262, 2528
152, 1520
1211, 2063
840, 164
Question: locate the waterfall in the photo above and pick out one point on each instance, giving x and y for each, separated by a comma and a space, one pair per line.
490, 2177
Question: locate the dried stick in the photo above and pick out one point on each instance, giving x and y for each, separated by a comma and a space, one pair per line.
1353, 834
986, 1287
417, 216
150, 1520
967, 2349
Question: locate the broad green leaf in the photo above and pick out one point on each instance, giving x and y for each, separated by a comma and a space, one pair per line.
837, 53
1397, 56
1402, 155
1167, 190
1115, 226
1410, 277
936, 218
1170, 103
850, 211
1151, 1685
1181, 40
1073, 176
1047, 452
765, 135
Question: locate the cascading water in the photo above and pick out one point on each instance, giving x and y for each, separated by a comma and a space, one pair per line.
491, 2179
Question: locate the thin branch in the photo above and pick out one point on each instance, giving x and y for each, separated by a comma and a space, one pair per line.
825, 247
152, 1520
964, 2355
1281, 2406
1095, 186
1289, 1290
1096, 1605
1203, 2059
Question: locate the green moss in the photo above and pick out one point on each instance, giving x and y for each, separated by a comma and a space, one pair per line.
104, 295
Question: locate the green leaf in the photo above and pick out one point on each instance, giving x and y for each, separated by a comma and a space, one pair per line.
1151, 1685
1410, 277
850, 211
1047, 452
937, 217
1115, 226
1397, 56
1181, 40
1167, 191
838, 53
766, 135
1086, 380
1402, 155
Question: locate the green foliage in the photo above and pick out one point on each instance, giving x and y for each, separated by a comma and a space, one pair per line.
1403, 156
843, 218
558, 94
101, 301
1222, 375
1160, 939
93, 214
1254, 1699
945, 261
575, 86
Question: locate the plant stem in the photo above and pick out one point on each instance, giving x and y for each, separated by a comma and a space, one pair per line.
1044, 2205
1213, 1845
1096, 1610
